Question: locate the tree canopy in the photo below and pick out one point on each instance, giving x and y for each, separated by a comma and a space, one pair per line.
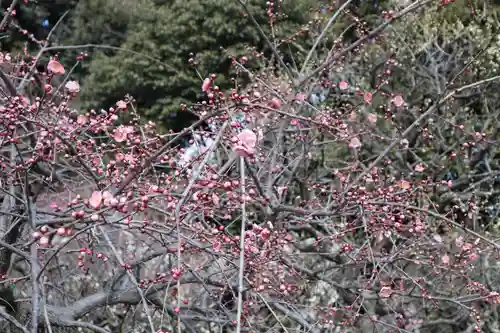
158, 73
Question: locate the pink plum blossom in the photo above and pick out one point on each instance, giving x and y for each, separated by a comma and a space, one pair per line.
206, 84
55, 67
245, 146
73, 87
398, 100
96, 199
343, 85
120, 134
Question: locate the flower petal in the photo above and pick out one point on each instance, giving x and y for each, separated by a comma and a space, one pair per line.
96, 199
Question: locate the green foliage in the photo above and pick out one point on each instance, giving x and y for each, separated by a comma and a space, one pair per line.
30, 17
104, 23
158, 75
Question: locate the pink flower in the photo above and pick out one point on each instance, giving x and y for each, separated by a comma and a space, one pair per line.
48, 89
419, 168
355, 143
275, 103
217, 246
81, 119
215, 199
405, 185
372, 118
73, 87
96, 199
119, 157
445, 259
129, 158
265, 233
245, 146
120, 134
398, 100
108, 199
44, 241
467, 247
121, 105
206, 84
368, 96
343, 85
55, 67
353, 116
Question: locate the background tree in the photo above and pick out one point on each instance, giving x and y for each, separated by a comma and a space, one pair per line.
105, 23
36, 19
207, 31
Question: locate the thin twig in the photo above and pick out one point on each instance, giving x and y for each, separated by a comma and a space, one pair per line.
413, 125
13, 321
263, 34
241, 287
163, 149
7, 15
322, 35
184, 197
40, 53
330, 59
439, 216
130, 275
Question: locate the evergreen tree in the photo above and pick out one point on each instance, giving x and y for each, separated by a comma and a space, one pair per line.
104, 23
158, 74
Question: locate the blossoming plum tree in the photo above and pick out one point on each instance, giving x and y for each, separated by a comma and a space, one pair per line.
311, 217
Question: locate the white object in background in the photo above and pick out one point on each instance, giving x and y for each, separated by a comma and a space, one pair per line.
199, 146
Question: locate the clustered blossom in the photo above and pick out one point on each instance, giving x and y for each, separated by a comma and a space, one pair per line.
73, 87
122, 105
398, 100
245, 143
206, 85
343, 85
307, 215
55, 67
121, 133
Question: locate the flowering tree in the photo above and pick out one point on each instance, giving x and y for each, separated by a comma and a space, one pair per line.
318, 203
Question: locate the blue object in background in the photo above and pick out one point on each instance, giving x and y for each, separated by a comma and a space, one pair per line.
318, 96
45, 23
314, 99
451, 175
